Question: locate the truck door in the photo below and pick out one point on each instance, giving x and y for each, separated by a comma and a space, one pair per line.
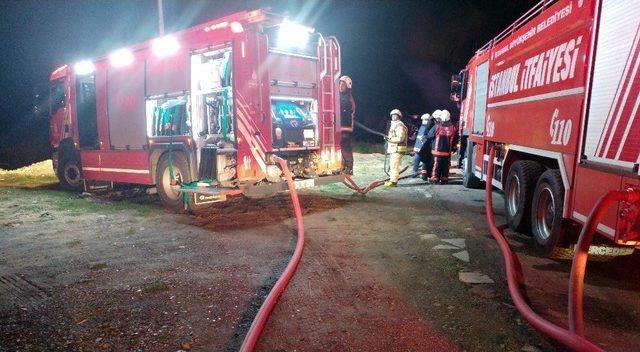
480, 105
479, 112
611, 148
86, 112
59, 113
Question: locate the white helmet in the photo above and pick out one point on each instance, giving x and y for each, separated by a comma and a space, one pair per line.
445, 115
425, 117
347, 80
395, 112
436, 114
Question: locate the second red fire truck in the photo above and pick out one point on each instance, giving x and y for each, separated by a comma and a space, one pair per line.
558, 92
199, 112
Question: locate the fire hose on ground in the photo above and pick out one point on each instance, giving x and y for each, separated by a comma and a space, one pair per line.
351, 184
251, 339
260, 320
573, 337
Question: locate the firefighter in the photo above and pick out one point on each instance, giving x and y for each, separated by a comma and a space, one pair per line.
444, 139
421, 149
347, 120
396, 146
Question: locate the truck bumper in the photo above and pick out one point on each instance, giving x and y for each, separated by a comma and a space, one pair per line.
267, 190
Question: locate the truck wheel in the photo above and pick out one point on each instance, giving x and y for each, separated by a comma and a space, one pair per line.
469, 179
546, 213
69, 172
518, 192
170, 195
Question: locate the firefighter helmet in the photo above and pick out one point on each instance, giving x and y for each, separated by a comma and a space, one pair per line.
395, 112
347, 80
445, 115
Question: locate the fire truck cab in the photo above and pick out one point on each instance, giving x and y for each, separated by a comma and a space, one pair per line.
557, 93
198, 113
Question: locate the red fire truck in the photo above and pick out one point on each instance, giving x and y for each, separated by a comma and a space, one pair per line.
198, 113
557, 91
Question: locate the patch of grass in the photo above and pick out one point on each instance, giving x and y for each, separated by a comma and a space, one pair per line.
71, 202
35, 175
110, 302
18, 185
368, 148
34, 207
74, 243
155, 286
97, 265
131, 231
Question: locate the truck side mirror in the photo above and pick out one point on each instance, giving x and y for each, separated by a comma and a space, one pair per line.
458, 86
456, 91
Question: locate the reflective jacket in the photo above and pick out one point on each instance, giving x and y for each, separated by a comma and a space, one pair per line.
444, 138
347, 111
397, 136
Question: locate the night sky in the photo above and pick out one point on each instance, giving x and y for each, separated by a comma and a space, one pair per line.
400, 54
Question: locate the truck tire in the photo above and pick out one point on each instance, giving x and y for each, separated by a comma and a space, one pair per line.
518, 193
469, 179
172, 198
546, 214
69, 171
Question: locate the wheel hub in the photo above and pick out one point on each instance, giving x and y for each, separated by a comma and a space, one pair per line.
513, 197
173, 192
545, 213
72, 174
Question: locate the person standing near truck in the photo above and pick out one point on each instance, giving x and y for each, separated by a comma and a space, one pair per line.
422, 149
347, 121
444, 141
396, 146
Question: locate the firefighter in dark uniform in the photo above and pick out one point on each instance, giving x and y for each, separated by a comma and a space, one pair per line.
347, 120
444, 141
422, 148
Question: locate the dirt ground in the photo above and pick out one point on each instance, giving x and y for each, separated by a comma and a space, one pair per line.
379, 273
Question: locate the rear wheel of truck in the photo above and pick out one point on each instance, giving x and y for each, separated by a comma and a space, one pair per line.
546, 214
518, 193
170, 195
69, 173
469, 179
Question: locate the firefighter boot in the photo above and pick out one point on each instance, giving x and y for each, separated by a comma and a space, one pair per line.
391, 184
424, 175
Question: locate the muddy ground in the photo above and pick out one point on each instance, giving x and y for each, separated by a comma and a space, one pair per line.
379, 273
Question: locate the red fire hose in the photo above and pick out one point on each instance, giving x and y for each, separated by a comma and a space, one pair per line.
578, 267
251, 339
513, 270
350, 183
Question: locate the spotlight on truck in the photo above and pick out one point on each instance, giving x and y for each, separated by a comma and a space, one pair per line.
293, 35
236, 27
165, 46
121, 57
84, 67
